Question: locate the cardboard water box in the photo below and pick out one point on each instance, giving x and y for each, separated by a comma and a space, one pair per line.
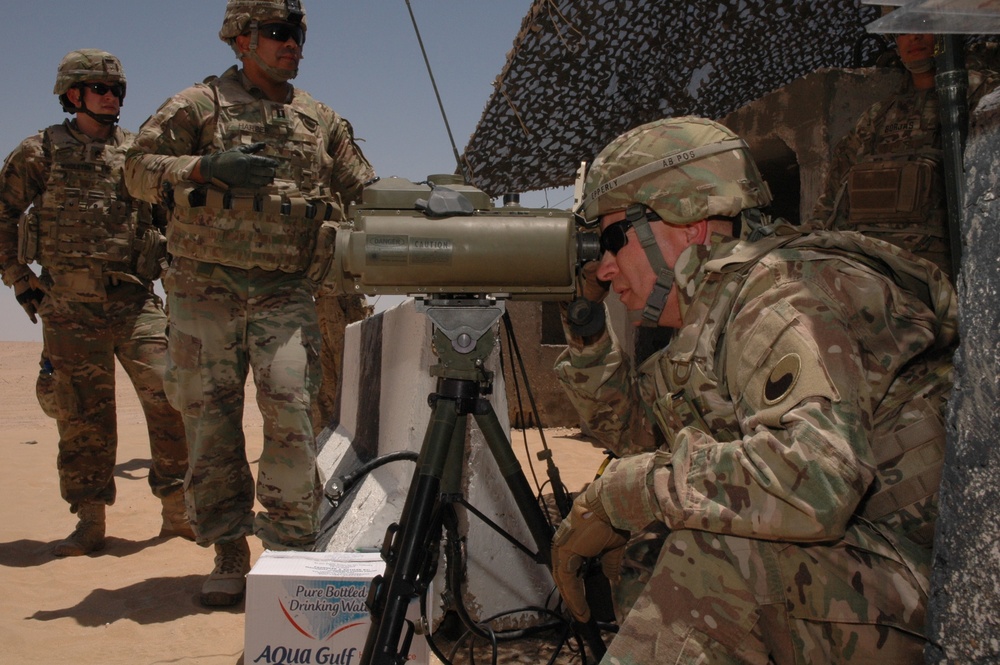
309, 607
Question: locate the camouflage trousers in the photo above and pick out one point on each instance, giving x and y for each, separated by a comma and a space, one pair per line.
695, 597
336, 312
225, 323
82, 340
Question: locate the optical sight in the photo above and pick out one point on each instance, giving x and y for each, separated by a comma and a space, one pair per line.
423, 240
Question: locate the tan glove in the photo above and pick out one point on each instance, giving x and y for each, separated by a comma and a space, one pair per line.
590, 287
585, 533
29, 293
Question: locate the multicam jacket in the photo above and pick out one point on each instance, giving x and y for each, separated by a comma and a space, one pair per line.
805, 387
64, 206
275, 227
887, 175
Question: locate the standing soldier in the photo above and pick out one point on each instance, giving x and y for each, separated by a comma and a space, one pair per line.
256, 172
65, 207
887, 179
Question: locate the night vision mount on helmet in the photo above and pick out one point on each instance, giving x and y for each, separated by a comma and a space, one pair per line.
88, 65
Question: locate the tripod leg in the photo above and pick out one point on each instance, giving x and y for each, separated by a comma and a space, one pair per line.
510, 469
406, 554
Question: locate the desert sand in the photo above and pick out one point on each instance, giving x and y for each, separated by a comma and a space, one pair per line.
136, 601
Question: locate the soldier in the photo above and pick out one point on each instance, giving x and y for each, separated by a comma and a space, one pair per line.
886, 177
65, 207
257, 172
801, 403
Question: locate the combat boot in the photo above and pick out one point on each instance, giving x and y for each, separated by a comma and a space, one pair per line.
175, 517
226, 583
88, 536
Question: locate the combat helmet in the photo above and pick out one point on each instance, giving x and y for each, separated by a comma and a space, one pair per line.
682, 169
88, 65
244, 16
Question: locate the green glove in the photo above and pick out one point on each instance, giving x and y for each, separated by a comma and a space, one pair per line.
239, 167
585, 533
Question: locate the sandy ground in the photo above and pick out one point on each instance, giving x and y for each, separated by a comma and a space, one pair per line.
135, 602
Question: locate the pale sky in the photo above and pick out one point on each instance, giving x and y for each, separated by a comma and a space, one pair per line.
361, 58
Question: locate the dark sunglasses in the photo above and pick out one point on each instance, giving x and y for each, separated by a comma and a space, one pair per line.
282, 32
615, 236
116, 89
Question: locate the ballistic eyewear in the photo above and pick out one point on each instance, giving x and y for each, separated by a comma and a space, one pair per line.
615, 236
282, 32
101, 89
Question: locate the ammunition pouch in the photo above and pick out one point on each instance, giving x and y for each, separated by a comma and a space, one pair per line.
151, 256
271, 230
895, 192
202, 196
27, 236
322, 259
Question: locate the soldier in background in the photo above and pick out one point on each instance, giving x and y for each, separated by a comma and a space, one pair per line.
257, 173
65, 208
789, 515
886, 178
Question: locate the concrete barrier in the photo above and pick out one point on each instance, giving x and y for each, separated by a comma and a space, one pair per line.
384, 409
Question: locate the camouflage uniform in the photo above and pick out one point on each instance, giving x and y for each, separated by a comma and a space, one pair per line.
788, 516
239, 297
83, 230
886, 176
775, 545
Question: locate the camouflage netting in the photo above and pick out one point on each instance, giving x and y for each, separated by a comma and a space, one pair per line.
583, 71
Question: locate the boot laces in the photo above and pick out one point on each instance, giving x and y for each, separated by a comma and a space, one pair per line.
231, 559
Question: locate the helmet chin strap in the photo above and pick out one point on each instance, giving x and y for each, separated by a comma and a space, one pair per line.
657, 300
103, 118
282, 75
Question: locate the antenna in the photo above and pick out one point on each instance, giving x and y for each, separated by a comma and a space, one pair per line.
437, 95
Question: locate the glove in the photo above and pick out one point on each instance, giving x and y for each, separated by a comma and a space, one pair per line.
586, 532
591, 287
585, 314
239, 167
29, 295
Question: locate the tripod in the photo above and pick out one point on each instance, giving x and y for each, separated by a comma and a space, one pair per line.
462, 341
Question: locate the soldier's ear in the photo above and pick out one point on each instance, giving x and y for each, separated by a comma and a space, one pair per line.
243, 43
74, 96
696, 233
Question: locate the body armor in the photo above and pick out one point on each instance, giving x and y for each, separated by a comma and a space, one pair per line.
908, 438
896, 192
81, 227
274, 227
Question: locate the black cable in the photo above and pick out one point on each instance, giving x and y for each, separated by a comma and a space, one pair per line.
563, 501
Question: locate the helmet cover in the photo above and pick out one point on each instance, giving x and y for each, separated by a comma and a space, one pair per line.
684, 169
240, 13
84, 66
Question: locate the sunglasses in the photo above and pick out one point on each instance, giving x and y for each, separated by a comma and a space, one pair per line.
282, 32
615, 236
116, 89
